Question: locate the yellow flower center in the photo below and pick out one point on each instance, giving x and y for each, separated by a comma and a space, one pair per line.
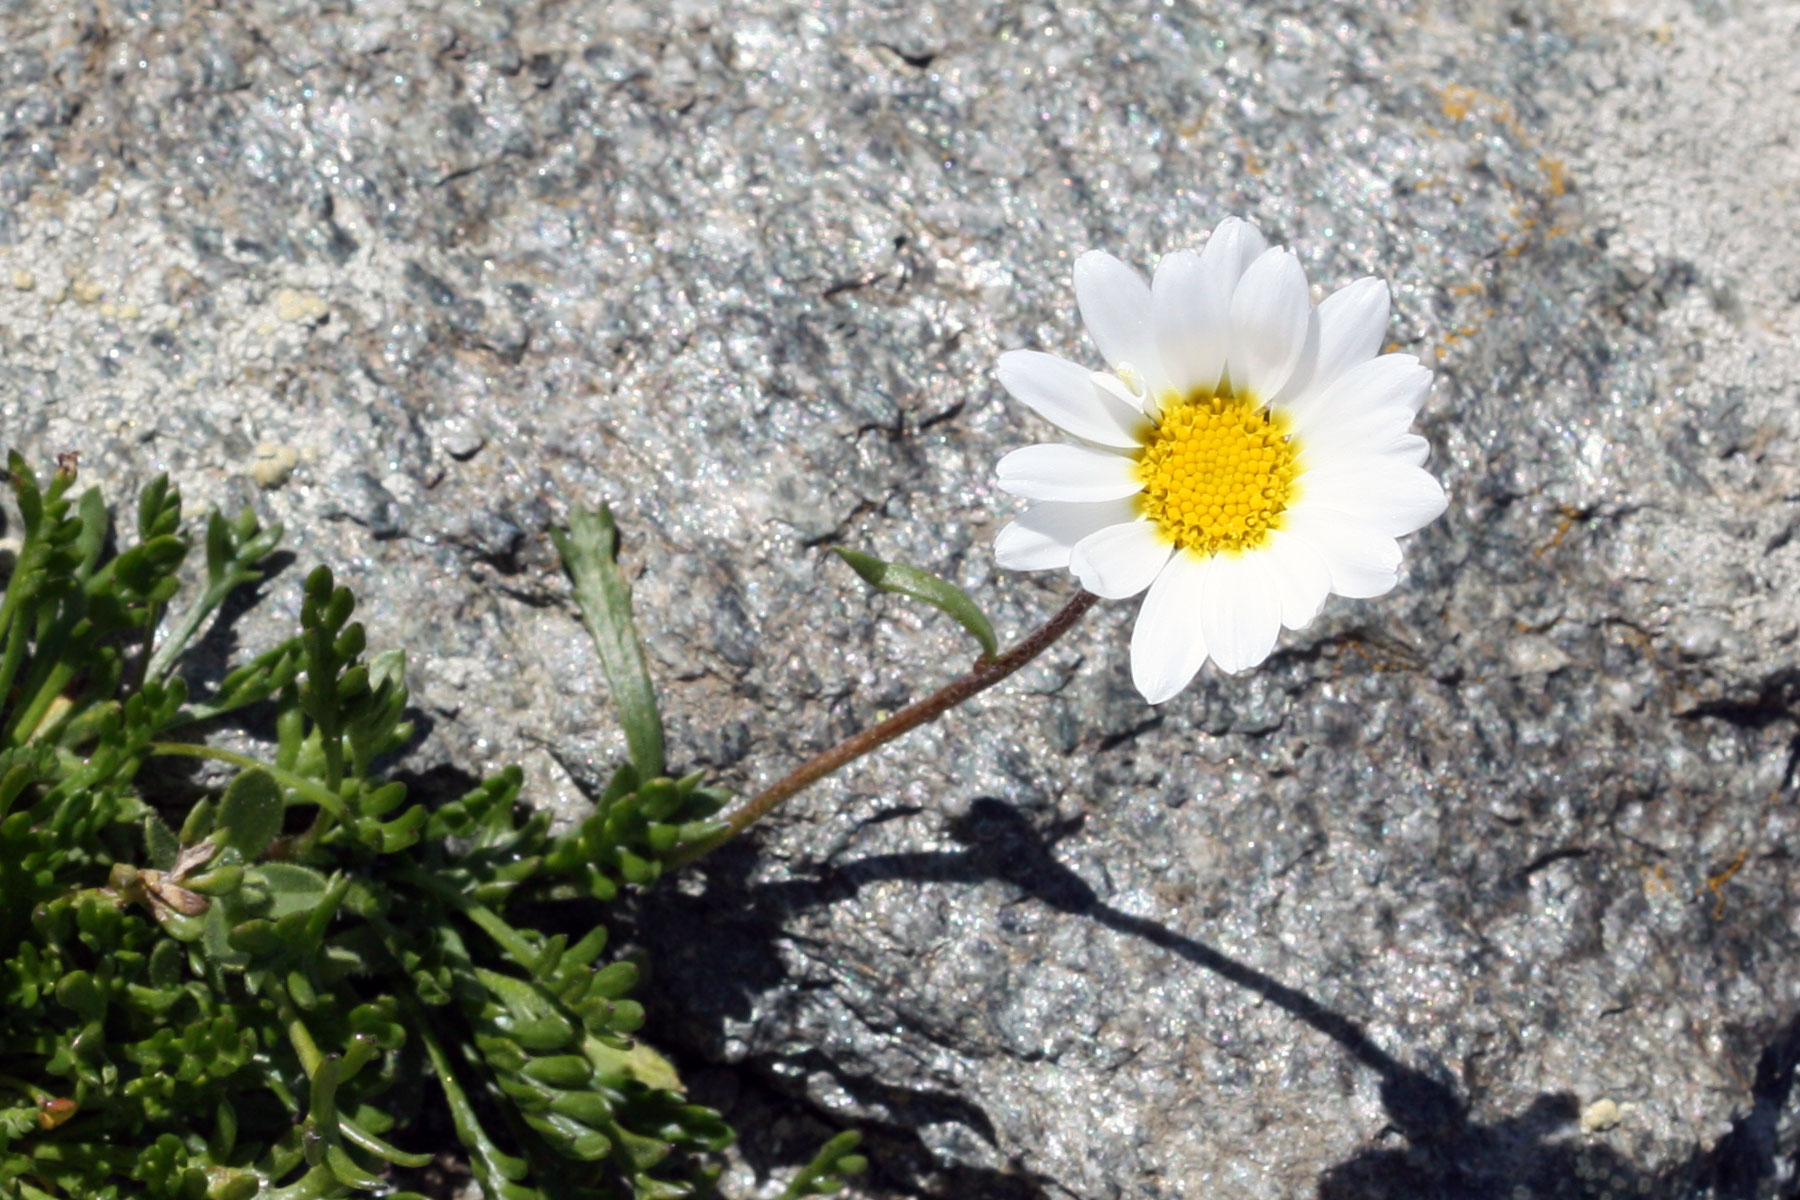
1218, 472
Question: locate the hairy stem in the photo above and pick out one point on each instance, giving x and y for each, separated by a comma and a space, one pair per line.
985, 674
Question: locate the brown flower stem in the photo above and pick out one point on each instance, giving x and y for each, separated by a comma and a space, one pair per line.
985, 674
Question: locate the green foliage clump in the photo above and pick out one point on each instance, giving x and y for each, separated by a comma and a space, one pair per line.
288, 987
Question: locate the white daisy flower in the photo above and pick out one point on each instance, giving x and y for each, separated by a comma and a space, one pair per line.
1247, 455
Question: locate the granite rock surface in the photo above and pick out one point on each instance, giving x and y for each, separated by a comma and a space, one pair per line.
1486, 888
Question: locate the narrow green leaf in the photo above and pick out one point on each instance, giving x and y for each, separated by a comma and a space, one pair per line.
357, 1136
349, 1172
494, 1170
235, 552
826, 1173
251, 812
25, 490
159, 509
942, 595
589, 548
560, 1070
90, 542
614, 979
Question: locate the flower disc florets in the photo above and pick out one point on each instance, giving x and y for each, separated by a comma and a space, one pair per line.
1246, 456
1218, 472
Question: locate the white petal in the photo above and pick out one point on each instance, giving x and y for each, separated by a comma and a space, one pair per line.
1120, 560
1115, 306
1301, 578
1073, 474
1305, 366
1379, 436
1042, 538
1346, 330
1167, 648
1377, 448
1064, 394
1139, 402
1191, 298
1383, 394
1240, 610
1352, 322
1230, 249
1190, 335
1363, 562
1392, 499
1408, 448
1269, 312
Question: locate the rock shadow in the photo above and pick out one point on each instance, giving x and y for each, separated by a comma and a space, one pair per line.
1439, 1149
1432, 1147
714, 956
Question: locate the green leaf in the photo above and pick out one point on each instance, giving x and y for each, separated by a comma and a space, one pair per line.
923, 585
159, 510
560, 1070
826, 1173
251, 812
291, 888
589, 548
614, 979
217, 939
21, 768
235, 553
200, 821
160, 841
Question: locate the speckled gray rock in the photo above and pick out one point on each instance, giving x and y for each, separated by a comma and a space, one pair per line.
1483, 889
